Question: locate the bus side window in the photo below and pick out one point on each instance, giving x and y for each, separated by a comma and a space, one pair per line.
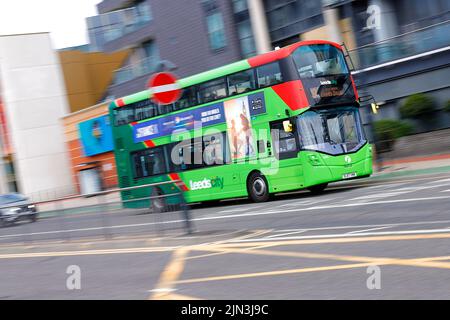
269, 74
188, 99
213, 152
212, 90
285, 143
261, 146
241, 82
149, 162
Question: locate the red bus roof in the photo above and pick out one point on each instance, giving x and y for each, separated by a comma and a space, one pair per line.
284, 52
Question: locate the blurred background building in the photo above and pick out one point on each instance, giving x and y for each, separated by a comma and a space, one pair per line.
33, 100
41, 155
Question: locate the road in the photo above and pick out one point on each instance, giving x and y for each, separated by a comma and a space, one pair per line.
361, 240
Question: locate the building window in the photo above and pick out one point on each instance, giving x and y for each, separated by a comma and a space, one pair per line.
239, 5
216, 30
246, 38
143, 11
150, 50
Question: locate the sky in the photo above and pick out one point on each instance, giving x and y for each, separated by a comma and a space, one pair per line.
64, 19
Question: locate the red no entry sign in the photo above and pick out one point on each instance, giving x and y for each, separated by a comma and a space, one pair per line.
164, 88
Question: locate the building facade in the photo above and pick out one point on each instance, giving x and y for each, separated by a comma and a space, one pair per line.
89, 139
33, 100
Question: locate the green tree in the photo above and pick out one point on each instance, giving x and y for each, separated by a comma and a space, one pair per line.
447, 106
417, 105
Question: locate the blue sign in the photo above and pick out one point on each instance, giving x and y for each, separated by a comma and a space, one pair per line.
182, 121
96, 136
257, 104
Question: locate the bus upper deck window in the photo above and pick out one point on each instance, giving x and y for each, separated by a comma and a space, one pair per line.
241, 82
319, 61
269, 74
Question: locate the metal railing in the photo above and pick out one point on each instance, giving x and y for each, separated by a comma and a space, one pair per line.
101, 217
407, 44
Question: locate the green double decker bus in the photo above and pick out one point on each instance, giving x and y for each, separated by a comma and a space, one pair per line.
281, 121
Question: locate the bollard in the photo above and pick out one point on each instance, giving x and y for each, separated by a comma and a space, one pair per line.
59, 210
185, 212
104, 215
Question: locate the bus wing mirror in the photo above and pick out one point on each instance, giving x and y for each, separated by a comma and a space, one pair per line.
287, 126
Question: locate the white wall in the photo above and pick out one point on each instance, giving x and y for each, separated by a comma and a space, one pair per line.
34, 96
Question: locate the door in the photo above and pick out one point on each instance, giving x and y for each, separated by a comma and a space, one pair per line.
90, 181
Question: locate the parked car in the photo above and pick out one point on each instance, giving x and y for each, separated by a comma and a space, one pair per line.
15, 207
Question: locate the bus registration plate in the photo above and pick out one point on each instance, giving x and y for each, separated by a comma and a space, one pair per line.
349, 175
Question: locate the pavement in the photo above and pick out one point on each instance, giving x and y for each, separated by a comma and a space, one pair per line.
386, 237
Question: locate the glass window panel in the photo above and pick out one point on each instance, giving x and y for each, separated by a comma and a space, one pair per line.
216, 30
149, 162
269, 74
212, 90
241, 82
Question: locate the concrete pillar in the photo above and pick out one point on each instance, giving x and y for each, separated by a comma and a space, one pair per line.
331, 18
259, 26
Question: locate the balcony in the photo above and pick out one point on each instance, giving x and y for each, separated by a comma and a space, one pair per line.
141, 68
110, 26
402, 46
111, 5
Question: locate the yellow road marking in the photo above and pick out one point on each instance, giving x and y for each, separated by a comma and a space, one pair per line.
273, 273
170, 274
224, 245
421, 262
220, 251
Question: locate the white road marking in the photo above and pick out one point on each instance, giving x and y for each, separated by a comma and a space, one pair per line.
439, 181
371, 229
305, 202
285, 234
240, 209
446, 190
346, 235
368, 226
376, 196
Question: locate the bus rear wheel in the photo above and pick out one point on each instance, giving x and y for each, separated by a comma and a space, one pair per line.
318, 188
258, 188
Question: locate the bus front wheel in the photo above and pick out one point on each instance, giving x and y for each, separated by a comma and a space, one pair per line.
318, 188
258, 188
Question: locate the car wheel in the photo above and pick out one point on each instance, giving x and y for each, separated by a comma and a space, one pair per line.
318, 188
33, 217
258, 188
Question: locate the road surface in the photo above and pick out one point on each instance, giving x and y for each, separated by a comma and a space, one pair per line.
363, 240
